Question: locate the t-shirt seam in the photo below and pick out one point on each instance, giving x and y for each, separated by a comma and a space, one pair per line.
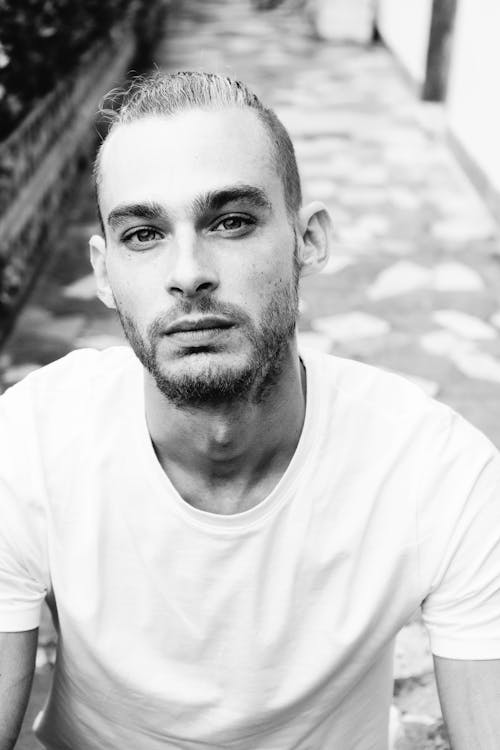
479, 468
418, 510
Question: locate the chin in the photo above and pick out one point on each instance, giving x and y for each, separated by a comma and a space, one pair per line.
205, 378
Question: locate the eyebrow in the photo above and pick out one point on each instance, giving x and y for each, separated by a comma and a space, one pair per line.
150, 211
213, 200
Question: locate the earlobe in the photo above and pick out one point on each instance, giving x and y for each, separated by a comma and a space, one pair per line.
98, 259
316, 230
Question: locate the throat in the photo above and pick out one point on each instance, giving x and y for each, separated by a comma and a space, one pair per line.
229, 469
225, 496
228, 460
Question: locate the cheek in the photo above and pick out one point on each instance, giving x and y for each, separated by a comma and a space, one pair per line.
274, 265
131, 288
276, 276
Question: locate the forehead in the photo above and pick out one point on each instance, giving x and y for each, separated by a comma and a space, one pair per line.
175, 158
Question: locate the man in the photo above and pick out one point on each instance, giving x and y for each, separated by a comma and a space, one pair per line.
230, 534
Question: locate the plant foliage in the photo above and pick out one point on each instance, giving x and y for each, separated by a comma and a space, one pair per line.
42, 41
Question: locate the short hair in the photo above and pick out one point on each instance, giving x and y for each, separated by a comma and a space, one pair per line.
164, 94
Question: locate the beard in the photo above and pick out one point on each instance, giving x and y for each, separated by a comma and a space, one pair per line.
211, 383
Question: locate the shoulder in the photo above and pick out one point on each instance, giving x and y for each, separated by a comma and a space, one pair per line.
371, 402
385, 394
76, 367
71, 382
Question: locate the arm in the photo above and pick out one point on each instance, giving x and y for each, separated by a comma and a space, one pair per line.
17, 665
469, 692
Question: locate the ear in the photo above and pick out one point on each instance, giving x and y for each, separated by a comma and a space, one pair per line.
97, 246
316, 231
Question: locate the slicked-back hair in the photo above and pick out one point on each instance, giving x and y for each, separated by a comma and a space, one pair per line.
164, 94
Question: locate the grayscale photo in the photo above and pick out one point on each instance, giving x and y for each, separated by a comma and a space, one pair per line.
249, 375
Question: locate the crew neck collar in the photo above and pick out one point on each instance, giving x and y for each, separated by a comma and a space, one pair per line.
245, 519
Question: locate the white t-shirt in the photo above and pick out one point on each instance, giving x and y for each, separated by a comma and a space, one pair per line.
270, 629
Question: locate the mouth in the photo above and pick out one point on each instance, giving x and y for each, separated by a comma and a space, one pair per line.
198, 331
198, 325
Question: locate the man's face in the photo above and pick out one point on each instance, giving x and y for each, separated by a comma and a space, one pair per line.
200, 252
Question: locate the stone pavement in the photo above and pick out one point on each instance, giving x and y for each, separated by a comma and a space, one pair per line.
413, 283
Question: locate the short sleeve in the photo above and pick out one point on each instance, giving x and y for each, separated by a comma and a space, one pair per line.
23, 557
460, 546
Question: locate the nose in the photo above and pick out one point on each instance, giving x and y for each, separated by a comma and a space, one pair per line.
191, 270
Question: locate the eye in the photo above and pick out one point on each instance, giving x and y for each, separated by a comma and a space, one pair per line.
144, 236
234, 224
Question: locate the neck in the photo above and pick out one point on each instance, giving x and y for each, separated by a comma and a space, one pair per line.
230, 446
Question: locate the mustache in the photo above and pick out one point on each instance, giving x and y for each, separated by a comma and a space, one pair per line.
202, 306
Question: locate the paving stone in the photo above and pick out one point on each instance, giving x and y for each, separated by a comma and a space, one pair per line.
417, 696
314, 169
476, 364
407, 276
355, 234
399, 246
84, 288
354, 195
464, 355
463, 230
453, 200
241, 45
301, 123
464, 325
313, 340
423, 737
374, 175
337, 263
319, 189
376, 224
400, 278
453, 276
342, 166
444, 344
41, 658
351, 326
314, 147
46, 633
423, 719
495, 319
403, 198
343, 20
412, 655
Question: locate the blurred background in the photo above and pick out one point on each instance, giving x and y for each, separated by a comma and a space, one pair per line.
394, 109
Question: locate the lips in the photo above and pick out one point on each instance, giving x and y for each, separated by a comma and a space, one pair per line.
204, 323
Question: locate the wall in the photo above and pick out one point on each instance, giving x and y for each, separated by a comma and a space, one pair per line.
473, 104
404, 26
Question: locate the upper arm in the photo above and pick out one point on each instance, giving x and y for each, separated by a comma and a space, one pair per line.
24, 569
17, 666
469, 692
459, 556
